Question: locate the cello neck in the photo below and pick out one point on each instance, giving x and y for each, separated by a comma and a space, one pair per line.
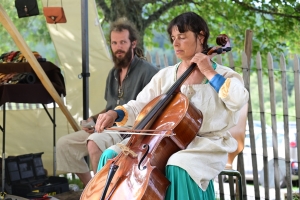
156, 110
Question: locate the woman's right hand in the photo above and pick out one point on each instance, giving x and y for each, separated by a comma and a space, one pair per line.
105, 120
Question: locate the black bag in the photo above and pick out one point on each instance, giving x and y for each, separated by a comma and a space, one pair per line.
27, 8
25, 174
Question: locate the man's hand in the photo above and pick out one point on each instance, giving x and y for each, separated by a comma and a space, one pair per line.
106, 120
87, 127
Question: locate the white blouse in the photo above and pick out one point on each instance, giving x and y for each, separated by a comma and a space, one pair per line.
206, 156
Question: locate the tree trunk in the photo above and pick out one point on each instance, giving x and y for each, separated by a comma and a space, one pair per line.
131, 9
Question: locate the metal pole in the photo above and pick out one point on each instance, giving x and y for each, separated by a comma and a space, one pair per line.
3, 148
85, 60
54, 141
85, 57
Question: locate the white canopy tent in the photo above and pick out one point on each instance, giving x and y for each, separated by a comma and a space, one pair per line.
31, 131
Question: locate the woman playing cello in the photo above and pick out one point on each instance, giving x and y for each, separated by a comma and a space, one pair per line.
217, 91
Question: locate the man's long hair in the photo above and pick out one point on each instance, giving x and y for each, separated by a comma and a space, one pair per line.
124, 24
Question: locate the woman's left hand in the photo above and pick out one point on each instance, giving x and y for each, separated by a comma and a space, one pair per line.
204, 64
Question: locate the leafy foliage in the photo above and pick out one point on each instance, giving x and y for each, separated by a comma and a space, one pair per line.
33, 29
275, 23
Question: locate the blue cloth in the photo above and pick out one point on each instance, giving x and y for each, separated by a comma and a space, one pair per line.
182, 185
217, 81
107, 154
121, 115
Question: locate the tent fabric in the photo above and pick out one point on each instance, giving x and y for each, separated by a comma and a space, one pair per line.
31, 130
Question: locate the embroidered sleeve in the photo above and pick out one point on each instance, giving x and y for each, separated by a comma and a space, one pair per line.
223, 93
122, 122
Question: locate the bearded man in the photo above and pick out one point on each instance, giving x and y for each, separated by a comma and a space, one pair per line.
130, 74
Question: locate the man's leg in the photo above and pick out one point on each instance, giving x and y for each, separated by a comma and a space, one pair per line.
84, 177
70, 152
110, 153
97, 143
94, 153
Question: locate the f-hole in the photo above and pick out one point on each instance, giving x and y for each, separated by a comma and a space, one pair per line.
145, 146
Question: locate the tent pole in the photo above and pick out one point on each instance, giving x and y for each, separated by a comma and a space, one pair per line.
85, 57
23, 47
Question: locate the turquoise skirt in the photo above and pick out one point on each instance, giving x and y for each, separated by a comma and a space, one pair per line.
182, 185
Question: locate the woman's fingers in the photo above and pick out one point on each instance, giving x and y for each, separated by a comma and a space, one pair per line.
104, 120
203, 62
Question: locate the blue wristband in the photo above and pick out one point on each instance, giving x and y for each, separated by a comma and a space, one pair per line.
217, 81
121, 115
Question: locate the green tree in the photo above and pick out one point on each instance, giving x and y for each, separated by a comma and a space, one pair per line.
275, 23
33, 30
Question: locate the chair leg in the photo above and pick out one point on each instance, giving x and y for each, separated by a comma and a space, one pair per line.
220, 179
240, 186
239, 177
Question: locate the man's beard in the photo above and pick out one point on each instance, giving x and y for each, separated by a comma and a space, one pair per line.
122, 62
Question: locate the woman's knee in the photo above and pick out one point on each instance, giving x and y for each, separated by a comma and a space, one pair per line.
107, 154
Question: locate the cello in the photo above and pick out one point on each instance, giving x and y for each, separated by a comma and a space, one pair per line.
138, 172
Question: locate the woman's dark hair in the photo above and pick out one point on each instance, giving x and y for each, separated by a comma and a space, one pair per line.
124, 24
190, 21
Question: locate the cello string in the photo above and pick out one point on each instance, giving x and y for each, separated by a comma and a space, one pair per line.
134, 130
136, 133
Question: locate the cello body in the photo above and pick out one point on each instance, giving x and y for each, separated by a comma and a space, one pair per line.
140, 172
